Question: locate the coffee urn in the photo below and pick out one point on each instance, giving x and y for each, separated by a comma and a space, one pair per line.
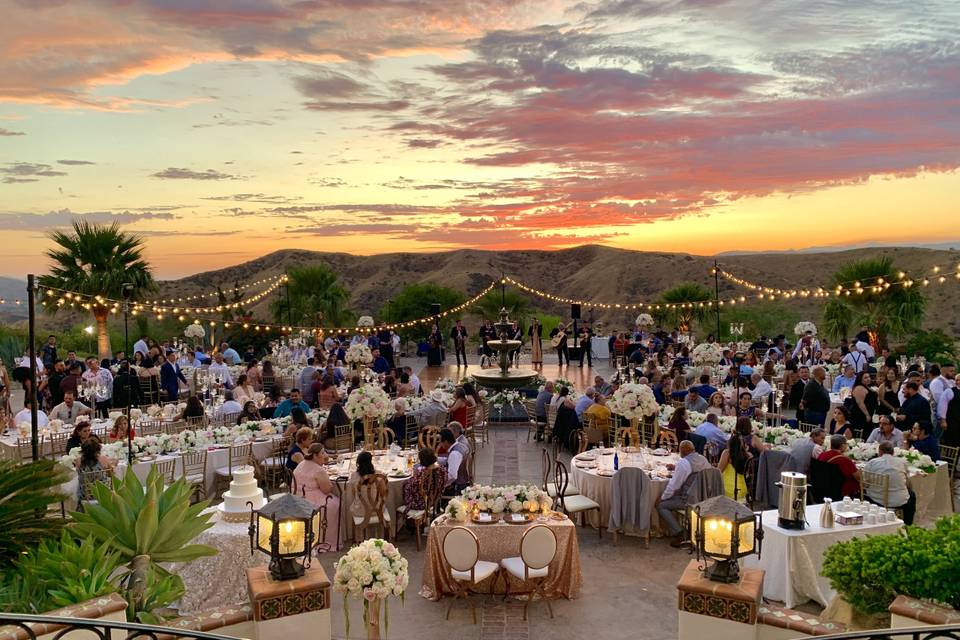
793, 498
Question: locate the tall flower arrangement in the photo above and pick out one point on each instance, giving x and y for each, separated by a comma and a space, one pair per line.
634, 401
707, 353
372, 571
803, 326
358, 354
368, 401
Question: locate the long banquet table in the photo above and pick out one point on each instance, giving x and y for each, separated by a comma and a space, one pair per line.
499, 541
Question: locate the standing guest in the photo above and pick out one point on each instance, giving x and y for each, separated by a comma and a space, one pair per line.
864, 404
459, 336
295, 400
943, 381
535, 333
313, 484
486, 333
887, 391
855, 359
49, 353
886, 432
816, 399
559, 335
586, 344
897, 494
306, 380
948, 416
71, 382
848, 468
807, 449
326, 392
140, 346
458, 475
171, 377
126, 388
72, 360
435, 347
56, 376
914, 408
253, 375
103, 379
674, 497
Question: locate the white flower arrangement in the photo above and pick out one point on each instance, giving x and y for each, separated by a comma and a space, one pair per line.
457, 510
916, 461
365, 321
358, 354
372, 570
369, 401
506, 398
446, 384
644, 320
707, 353
512, 498
803, 326
634, 401
781, 436
194, 332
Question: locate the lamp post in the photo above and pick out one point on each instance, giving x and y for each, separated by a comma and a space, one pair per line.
285, 529
724, 530
31, 310
126, 291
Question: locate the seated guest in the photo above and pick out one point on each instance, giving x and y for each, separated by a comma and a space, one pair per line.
845, 380
923, 441
760, 389
663, 392
229, 406
244, 390
709, 430
81, 432
840, 424
380, 364
717, 403
302, 442
398, 421
704, 389
193, 409
364, 469
602, 387
678, 423
298, 420
886, 432
312, 483
802, 451
325, 392
745, 407
584, 401
405, 388
92, 460
250, 413
412, 497
446, 441
430, 410
121, 430
898, 495
566, 421
851, 475
599, 409
694, 401
336, 418
733, 374
295, 400
390, 385
69, 410
543, 400
674, 497
743, 448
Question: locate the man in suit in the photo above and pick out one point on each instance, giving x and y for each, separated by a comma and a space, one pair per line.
171, 377
586, 335
816, 399
459, 336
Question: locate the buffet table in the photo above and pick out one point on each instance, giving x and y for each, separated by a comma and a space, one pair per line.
499, 541
793, 559
593, 475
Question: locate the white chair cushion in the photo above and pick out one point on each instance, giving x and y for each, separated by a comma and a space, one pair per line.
195, 478
358, 520
514, 567
416, 514
577, 503
224, 471
481, 571
570, 491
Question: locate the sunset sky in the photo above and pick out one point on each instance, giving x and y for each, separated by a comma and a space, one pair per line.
222, 130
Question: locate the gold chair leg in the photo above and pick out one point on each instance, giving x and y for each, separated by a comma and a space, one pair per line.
417, 525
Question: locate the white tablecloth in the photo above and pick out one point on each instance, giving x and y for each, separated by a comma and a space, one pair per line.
600, 346
793, 559
933, 495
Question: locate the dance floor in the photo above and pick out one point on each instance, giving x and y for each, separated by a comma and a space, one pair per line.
581, 377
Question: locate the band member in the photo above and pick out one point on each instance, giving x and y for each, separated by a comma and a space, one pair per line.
586, 334
536, 342
486, 333
435, 351
459, 336
516, 333
559, 336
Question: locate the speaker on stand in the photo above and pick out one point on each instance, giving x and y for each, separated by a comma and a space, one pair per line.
575, 315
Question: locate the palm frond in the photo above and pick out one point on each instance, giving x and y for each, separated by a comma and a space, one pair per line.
26, 492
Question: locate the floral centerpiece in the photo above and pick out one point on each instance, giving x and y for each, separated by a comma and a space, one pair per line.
707, 353
358, 354
512, 498
803, 326
373, 571
634, 401
505, 398
916, 461
194, 332
446, 384
644, 320
781, 436
368, 401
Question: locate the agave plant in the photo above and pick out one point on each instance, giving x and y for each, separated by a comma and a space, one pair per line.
71, 571
146, 524
26, 492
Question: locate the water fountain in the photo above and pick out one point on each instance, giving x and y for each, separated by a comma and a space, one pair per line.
505, 377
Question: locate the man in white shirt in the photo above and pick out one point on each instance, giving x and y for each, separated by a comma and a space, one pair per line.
674, 497
95, 374
23, 416
69, 409
855, 358
761, 388
220, 370
140, 346
229, 405
946, 380
25, 361
414, 380
866, 349
898, 495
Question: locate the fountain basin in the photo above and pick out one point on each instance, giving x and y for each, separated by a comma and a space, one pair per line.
499, 380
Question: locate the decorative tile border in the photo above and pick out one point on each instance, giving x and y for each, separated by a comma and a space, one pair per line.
272, 599
91, 609
925, 612
736, 602
719, 607
805, 623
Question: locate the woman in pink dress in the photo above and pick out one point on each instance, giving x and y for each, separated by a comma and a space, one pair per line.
311, 482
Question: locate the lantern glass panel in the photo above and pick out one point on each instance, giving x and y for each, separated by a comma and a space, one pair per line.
265, 530
292, 534
717, 534
315, 526
747, 534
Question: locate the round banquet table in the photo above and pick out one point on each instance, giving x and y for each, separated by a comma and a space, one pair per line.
383, 462
596, 482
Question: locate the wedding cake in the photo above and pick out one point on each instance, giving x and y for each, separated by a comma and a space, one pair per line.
243, 489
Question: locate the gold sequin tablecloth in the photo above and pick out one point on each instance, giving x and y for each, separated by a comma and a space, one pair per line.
218, 580
499, 541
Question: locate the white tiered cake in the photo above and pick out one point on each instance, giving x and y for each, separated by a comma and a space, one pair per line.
243, 489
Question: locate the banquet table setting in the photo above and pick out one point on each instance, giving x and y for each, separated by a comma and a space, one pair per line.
592, 471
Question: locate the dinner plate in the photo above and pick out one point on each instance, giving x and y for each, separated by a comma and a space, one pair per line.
606, 473
660, 452
398, 476
586, 465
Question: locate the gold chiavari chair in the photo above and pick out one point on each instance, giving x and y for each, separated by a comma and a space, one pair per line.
429, 437
273, 469
196, 422
806, 427
411, 430
372, 494
482, 426
150, 389
149, 427
167, 469
551, 421
58, 444
879, 482
25, 447
629, 437
951, 455
432, 482
194, 467
227, 419
88, 480
530, 404
649, 429
342, 439
237, 456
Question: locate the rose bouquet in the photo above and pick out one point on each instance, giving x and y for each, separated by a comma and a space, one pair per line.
358, 354
512, 498
803, 326
707, 353
194, 332
373, 570
369, 401
634, 401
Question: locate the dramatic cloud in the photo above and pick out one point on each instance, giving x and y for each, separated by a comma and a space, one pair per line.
178, 173
65, 217
27, 172
74, 162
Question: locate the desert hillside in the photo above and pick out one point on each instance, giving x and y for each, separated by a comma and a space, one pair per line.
599, 273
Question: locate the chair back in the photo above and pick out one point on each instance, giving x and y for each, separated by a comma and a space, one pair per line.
668, 440
372, 494
429, 436
384, 437
194, 463
561, 479
578, 441
150, 388
551, 422
807, 427
547, 462
88, 479
228, 419
461, 549
411, 429
58, 444
629, 436
879, 482
343, 438
648, 429
432, 483
167, 469
239, 456
197, 422
538, 546
530, 404
951, 455
149, 427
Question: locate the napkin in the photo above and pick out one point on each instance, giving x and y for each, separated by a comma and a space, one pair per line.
518, 517
485, 517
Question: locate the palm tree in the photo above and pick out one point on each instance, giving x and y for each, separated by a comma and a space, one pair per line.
873, 297
516, 304
685, 306
97, 260
311, 292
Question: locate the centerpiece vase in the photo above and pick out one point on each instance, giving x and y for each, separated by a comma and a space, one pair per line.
373, 619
